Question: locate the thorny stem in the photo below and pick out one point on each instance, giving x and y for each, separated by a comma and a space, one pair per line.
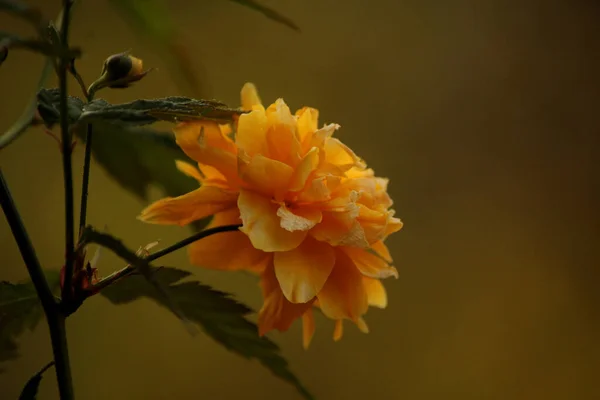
86, 178
66, 157
59, 338
130, 269
56, 321
86, 162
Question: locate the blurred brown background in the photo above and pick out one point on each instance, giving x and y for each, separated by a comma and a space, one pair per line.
484, 114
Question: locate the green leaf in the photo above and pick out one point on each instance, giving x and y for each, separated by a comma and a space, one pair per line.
135, 113
30, 389
171, 109
20, 309
137, 158
218, 314
269, 13
134, 157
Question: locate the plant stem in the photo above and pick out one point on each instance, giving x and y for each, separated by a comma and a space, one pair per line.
66, 139
130, 269
189, 240
56, 321
86, 178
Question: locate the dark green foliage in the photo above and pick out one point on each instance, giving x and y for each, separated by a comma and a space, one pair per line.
219, 316
269, 13
20, 309
30, 389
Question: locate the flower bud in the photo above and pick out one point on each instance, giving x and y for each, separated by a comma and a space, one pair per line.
121, 66
118, 72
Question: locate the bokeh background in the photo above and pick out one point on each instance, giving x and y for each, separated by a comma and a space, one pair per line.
483, 113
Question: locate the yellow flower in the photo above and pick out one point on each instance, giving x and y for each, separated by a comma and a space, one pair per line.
314, 218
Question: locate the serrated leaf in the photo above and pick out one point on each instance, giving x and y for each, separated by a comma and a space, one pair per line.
218, 314
30, 390
269, 13
48, 107
145, 112
20, 309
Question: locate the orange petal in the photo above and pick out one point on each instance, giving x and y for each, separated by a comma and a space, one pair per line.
393, 225
343, 295
340, 155
381, 249
308, 120
338, 330
213, 177
205, 143
249, 96
323, 135
251, 132
262, 225
282, 137
227, 250
277, 312
362, 325
298, 219
370, 264
376, 293
303, 271
308, 328
307, 165
319, 189
189, 169
192, 206
270, 177
339, 229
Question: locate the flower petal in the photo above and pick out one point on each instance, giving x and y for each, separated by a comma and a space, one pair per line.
282, 136
192, 206
337, 153
230, 251
205, 143
303, 271
370, 264
270, 177
376, 293
343, 295
251, 132
381, 249
277, 312
249, 96
308, 328
340, 229
262, 225
307, 165
338, 330
190, 170
308, 120
362, 325
298, 219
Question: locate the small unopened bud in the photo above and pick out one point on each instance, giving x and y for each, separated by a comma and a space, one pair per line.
121, 66
119, 71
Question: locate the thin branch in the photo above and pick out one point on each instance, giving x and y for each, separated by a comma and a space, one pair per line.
129, 269
56, 321
86, 178
25, 247
141, 265
66, 140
